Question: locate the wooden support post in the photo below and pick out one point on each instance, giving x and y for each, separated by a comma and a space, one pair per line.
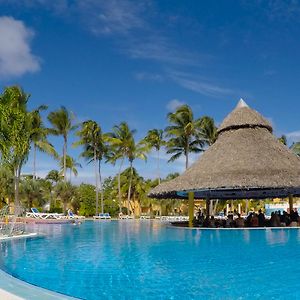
207, 207
191, 208
291, 202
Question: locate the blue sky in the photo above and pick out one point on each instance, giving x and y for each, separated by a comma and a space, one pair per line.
134, 61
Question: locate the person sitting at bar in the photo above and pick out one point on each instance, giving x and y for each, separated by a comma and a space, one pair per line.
275, 220
239, 222
294, 218
261, 218
254, 220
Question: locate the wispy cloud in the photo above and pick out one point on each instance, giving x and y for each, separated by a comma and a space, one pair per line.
112, 17
173, 104
16, 57
200, 85
149, 76
294, 135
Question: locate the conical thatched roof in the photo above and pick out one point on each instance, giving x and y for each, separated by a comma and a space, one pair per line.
246, 161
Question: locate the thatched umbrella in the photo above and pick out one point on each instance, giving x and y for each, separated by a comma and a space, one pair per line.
246, 161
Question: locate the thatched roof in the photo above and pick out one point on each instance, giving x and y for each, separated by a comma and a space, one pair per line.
246, 161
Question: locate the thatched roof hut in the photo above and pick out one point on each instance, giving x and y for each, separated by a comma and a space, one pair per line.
247, 161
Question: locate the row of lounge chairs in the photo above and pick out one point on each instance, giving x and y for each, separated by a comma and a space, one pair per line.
102, 216
51, 216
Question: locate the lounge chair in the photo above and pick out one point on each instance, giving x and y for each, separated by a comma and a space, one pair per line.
102, 216
72, 216
38, 215
145, 217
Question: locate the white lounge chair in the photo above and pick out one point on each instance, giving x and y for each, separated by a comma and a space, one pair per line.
38, 215
102, 216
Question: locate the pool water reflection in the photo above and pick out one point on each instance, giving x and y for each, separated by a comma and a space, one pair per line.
144, 260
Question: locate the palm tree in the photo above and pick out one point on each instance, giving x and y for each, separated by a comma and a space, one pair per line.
208, 130
16, 130
71, 164
135, 150
53, 176
283, 139
155, 139
39, 137
62, 123
65, 191
120, 141
185, 135
52, 179
91, 138
296, 148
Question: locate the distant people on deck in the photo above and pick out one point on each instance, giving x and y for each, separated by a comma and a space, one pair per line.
239, 222
261, 219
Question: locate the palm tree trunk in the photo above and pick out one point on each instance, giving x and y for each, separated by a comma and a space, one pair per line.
96, 178
158, 167
129, 189
186, 160
187, 156
34, 161
17, 184
119, 185
101, 187
65, 158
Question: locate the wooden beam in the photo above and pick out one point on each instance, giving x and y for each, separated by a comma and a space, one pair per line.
291, 202
207, 206
191, 208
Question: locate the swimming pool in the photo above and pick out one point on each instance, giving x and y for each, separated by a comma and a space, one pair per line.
147, 260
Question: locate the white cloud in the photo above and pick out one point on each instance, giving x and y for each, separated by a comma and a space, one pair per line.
293, 135
199, 85
173, 104
16, 58
148, 76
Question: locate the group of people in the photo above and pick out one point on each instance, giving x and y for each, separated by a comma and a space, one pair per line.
277, 219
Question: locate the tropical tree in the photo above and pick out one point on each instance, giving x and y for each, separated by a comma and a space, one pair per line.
184, 133
94, 148
39, 137
71, 165
62, 122
15, 132
296, 148
208, 130
51, 180
65, 191
283, 139
155, 139
31, 190
120, 141
135, 151
6, 184
54, 176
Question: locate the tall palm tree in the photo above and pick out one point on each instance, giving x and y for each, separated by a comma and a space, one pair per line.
155, 139
39, 137
71, 165
94, 148
15, 133
62, 124
135, 150
120, 141
185, 135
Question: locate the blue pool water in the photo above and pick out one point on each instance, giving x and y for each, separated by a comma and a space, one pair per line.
147, 260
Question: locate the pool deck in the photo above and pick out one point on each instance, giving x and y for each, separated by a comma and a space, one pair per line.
12, 288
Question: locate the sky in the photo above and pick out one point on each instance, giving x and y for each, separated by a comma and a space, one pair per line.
135, 61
